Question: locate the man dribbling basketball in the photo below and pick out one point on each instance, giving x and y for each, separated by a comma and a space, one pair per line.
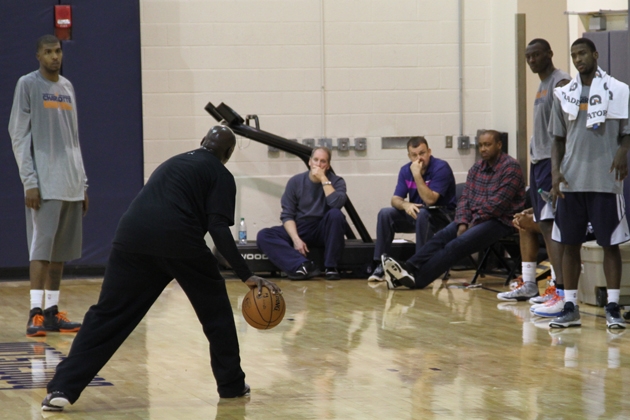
159, 238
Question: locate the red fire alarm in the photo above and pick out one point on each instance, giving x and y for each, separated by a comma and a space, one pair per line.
63, 22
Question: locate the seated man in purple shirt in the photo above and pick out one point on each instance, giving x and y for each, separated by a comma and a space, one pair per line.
494, 192
430, 185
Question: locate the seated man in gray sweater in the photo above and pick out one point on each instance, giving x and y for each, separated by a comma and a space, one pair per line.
311, 216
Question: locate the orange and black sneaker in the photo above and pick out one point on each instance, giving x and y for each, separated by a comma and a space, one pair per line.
35, 326
58, 321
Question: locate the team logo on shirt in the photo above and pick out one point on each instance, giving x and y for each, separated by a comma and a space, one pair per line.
583, 103
55, 100
540, 96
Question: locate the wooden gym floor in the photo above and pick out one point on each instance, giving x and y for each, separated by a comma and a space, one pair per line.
345, 350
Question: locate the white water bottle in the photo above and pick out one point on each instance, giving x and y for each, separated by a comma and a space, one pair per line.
242, 232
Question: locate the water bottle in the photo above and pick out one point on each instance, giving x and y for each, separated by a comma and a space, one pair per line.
546, 196
242, 232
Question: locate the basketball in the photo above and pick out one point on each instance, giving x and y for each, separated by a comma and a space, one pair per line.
265, 311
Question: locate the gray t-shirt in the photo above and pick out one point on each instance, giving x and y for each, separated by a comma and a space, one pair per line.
304, 199
45, 136
541, 140
589, 153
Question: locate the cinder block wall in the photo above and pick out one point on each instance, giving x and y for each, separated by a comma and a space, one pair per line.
325, 68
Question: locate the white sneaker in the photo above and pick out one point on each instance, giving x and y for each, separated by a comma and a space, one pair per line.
522, 293
395, 274
547, 295
550, 309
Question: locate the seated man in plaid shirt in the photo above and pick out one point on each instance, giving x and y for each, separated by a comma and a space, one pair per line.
494, 192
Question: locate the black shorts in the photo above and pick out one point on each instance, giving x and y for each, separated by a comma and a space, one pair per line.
540, 178
605, 211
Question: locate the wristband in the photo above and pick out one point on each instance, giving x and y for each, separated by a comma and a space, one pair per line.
327, 183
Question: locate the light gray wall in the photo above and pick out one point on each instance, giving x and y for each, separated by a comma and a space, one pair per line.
334, 68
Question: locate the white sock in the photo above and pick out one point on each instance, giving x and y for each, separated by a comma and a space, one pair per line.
570, 296
37, 296
528, 270
613, 295
553, 273
52, 298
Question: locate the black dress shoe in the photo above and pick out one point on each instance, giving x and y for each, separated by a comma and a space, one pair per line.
246, 391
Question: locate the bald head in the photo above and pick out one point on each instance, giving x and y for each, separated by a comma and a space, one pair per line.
220, 141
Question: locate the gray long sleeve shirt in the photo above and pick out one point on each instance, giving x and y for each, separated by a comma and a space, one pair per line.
303, 198
44, 132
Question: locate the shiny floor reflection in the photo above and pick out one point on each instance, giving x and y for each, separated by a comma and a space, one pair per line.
345, 350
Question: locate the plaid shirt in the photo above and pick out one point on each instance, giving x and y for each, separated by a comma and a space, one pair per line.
492, 192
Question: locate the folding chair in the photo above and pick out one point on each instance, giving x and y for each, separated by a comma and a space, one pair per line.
509, 244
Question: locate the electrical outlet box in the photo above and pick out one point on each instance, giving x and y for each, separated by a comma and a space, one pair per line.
309, 142
325, 143
272, 149
360, 144
343, 144
463, 142
449, 142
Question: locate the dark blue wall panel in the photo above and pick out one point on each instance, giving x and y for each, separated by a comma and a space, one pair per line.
602, 43
619, 47
21, 23
103, 62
